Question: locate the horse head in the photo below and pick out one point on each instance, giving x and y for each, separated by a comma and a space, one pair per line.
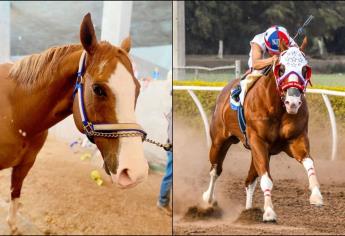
292, 74
108, 98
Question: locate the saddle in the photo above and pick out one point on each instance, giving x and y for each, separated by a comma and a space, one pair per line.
238, 94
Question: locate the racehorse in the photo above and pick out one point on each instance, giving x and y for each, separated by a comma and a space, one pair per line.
95, 82
276, 113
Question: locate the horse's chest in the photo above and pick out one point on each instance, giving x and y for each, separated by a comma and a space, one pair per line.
289, 129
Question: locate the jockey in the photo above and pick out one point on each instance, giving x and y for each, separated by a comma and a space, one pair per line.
262, 44
267, 42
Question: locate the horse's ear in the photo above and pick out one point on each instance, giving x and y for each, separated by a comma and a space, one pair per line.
126, 44
282, 46
304, 44
87, 35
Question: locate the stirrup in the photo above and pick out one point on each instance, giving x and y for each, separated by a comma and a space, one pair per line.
235, 92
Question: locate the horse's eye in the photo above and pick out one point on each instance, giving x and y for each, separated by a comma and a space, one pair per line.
281, 70
98, 90
304, 71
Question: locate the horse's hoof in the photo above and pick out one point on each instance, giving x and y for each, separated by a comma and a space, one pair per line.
316, 197
316, 200
269, 215
208, 200
12, 225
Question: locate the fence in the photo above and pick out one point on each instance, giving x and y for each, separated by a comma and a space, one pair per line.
183, 72
323, 92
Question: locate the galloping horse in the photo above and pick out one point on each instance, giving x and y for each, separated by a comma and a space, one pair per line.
276, 113
95, 82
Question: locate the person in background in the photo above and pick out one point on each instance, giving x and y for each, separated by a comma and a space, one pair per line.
166, 185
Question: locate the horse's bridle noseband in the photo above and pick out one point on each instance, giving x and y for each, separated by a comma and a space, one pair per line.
102, 130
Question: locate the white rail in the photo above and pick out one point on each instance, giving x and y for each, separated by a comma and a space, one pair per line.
323, 92
205, 68
236, 66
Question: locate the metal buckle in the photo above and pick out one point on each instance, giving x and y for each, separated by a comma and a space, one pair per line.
88, 128
80, 79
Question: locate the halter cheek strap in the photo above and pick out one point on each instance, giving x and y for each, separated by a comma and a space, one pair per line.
102, 130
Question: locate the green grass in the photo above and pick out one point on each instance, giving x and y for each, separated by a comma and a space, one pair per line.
329, 80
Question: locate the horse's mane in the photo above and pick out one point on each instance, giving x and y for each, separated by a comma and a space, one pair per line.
36, 70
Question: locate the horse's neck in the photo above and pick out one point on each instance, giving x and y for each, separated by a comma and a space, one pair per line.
273, 101
40, 109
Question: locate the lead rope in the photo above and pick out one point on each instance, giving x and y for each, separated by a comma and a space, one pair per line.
166, 147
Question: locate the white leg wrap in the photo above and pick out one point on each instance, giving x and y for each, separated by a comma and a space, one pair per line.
309, 166
208, 196
12, 214
250, 192
266, 187
315, 197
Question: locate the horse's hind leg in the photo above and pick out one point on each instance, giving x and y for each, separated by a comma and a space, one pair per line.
250, 185
217, 154
17, 178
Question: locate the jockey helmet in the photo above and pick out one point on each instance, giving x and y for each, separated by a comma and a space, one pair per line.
272, 37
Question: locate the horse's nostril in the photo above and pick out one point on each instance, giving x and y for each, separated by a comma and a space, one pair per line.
124, 178
287, 102
299, 103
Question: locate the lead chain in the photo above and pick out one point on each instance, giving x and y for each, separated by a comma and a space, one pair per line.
166, 146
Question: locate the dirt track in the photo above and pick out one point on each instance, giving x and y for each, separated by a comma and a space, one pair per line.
290, 193
59, 197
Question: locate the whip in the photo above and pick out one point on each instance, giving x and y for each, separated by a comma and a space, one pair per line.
300, 29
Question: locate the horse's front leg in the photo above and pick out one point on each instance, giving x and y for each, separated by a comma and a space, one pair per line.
250, 185
299, 149
18, 174
261, 157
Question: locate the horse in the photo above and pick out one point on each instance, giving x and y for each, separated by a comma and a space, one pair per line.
95, 82
276, 113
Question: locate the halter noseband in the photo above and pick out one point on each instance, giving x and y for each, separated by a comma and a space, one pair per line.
117, 130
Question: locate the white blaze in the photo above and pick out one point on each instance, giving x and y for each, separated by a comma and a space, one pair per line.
131, 152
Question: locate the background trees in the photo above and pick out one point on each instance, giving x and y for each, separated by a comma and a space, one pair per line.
236, 23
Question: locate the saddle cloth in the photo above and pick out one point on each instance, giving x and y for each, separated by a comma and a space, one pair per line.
237, 97
247, 83
239, 92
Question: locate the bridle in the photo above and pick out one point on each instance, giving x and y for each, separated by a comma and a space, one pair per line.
282, 81
115, 130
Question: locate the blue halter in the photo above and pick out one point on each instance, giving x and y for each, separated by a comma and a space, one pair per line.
101, 130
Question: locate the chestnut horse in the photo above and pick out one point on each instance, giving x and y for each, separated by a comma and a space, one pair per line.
276, 114
42, 89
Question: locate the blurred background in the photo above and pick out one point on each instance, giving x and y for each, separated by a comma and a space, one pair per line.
218, 32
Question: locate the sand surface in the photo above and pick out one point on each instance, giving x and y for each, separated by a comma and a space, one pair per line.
290, 193
59, 197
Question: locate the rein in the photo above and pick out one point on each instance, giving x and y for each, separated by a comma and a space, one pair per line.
117, 130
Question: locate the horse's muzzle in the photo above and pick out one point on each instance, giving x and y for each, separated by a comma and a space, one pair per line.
292, 103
